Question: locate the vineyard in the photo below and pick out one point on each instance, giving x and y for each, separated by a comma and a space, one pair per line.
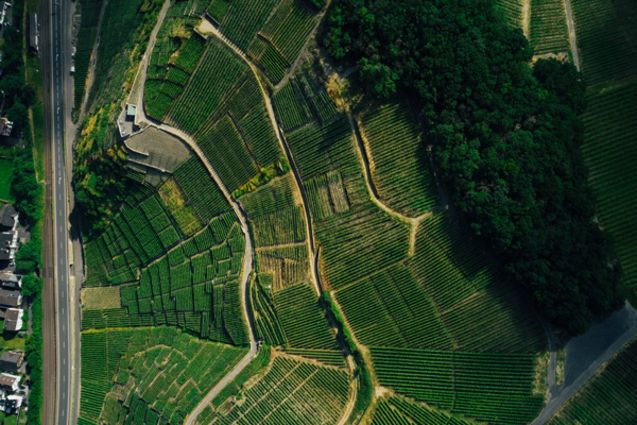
610, 125
399, 161
512, 10
134, 376
547, 30
610, 398
290, 392
272, 32
440, 303
606, 36
396, 410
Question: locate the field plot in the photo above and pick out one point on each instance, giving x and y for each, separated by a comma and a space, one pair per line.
610, 398
290, 392
148, 376
610, 151
548, 31
169, 272
399, 411
607, 38
399, 162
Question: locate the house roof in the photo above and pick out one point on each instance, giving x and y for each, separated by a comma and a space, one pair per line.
10, 277
7, 216
8, 380
13, 357
10, 298
13, 319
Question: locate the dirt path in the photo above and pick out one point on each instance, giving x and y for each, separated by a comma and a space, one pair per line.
572, 35
526, 18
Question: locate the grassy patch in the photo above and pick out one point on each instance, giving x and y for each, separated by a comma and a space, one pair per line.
173, 199
100, 298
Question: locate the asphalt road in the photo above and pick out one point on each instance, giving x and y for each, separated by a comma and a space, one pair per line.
58, 22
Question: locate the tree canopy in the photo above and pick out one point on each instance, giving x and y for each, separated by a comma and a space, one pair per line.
506, 138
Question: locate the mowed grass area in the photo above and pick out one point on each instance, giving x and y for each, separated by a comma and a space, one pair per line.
137, 376
607, 38
610, 151
6, 174
610, 398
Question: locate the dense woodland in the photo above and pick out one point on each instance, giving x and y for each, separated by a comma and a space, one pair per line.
506, 138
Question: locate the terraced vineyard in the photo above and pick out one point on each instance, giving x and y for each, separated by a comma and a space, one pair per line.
440, 330
615, 385
166, 277
512, 10
135, 376
289, 392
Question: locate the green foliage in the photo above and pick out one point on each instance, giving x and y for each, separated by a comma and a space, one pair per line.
25, 189
506, 142
31, 286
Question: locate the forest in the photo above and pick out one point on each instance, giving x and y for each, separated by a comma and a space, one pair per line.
506, 139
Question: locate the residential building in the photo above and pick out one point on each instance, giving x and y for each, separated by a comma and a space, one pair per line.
9, 382
11, 361
8, 216
13, 319
5, 13
10, 281
8, 246
6, 126
10, 298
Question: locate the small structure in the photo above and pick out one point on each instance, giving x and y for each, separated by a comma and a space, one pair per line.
13, 320
9, 382
127, 126
10, 298
11, 361
9, 217
34, 33
6, 127
5, 13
